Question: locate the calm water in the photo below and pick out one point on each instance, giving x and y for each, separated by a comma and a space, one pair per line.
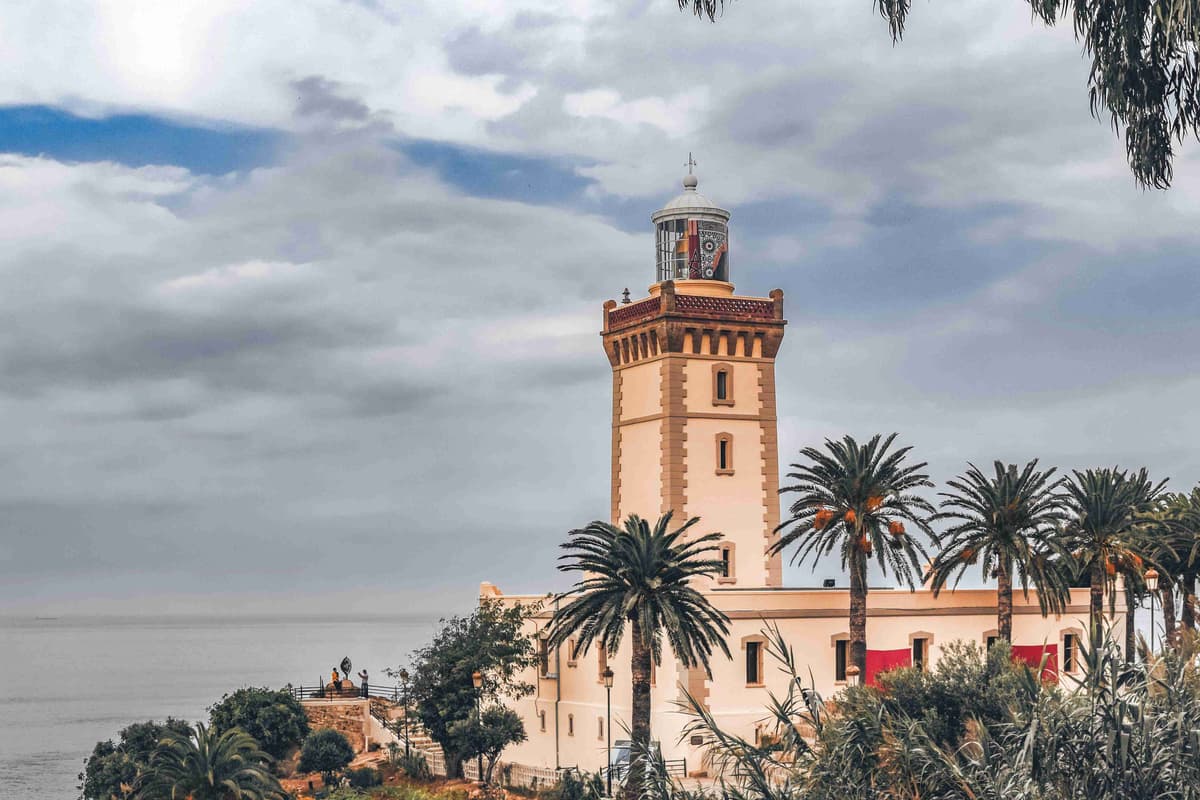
67, 683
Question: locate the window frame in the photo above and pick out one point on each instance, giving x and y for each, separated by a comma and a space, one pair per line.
840, 642
717, 369
756, 645
725, 439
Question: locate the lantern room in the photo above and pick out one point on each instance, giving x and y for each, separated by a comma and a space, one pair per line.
691, 236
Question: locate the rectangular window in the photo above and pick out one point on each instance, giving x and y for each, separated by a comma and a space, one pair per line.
723, 461
725, 562
1070, 652
991, 640
839, 659
601, 662
543, 657
919, 651
571, 653
753, 662
722, 385
600, 728
570, 724
542, 720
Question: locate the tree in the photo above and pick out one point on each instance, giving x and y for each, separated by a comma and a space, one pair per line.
641, 578
113, 770
488, 735
492, 641
1186, 510
274, 718
1145, 72
1105, 504
854, 500
326, 751
206, 765
1006, 524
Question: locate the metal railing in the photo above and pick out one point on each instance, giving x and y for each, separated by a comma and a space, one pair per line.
393, 693
673, 767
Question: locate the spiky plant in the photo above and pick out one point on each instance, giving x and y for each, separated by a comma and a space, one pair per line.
853, 500
1101, 533
1005, 523
210, 766
641, 578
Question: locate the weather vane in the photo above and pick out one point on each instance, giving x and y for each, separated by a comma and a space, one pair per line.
691, 162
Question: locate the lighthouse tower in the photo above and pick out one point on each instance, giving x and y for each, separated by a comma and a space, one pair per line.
694, 423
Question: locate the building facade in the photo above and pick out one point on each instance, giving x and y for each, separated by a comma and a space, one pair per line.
694, 432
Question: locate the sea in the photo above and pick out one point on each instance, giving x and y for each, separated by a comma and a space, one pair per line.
69, 682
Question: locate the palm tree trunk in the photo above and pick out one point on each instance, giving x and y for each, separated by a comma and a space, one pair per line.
1130, 610
1004, 608
858, 612
1167, 592
1187, 620
1096, 615
640, 718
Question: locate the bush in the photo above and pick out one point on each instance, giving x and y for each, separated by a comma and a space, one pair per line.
111, 765
326, 751
273, 717
364, 777
415, 766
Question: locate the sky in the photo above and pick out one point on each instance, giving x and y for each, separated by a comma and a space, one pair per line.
300, 301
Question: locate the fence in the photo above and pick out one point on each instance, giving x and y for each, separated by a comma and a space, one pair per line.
392, 693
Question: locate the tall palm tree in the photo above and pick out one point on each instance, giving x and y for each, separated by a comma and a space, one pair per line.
1105, 504
855, 500
1187, 508
1006, 524
641, 577
210, 766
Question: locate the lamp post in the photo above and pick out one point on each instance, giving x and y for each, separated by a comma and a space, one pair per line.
608, 683
477, 680
404, 684
852, 674
1151, 577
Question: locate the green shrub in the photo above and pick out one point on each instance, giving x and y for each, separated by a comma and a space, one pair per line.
111, 765
414, 766
364, 777
273, 717
326, 751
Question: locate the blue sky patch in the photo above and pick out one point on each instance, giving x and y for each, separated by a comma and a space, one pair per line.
135, 140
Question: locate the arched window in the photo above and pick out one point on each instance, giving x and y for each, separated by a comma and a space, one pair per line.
724, 454
722, 388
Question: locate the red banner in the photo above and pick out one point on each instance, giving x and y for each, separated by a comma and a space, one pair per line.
882, 660
1031, 654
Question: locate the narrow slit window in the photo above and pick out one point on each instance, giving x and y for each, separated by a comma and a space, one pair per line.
839, 659
722, 385
570, 724
725, 562
543, 657
600, 728
724, 454
1070, 652
753, 662
542, 720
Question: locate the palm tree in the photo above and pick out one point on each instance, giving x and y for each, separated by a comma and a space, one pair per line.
210, 766
640, 577
1006, 524
1101, 536
1164, 538
1187, 508
854, 500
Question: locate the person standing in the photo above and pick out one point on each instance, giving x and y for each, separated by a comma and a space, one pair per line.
362, 675
335, 681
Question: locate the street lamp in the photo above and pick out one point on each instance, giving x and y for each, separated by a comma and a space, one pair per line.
404, 683
608, 682
1151, 577
477, 680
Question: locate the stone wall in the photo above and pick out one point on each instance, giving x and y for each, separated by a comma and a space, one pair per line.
350, 717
